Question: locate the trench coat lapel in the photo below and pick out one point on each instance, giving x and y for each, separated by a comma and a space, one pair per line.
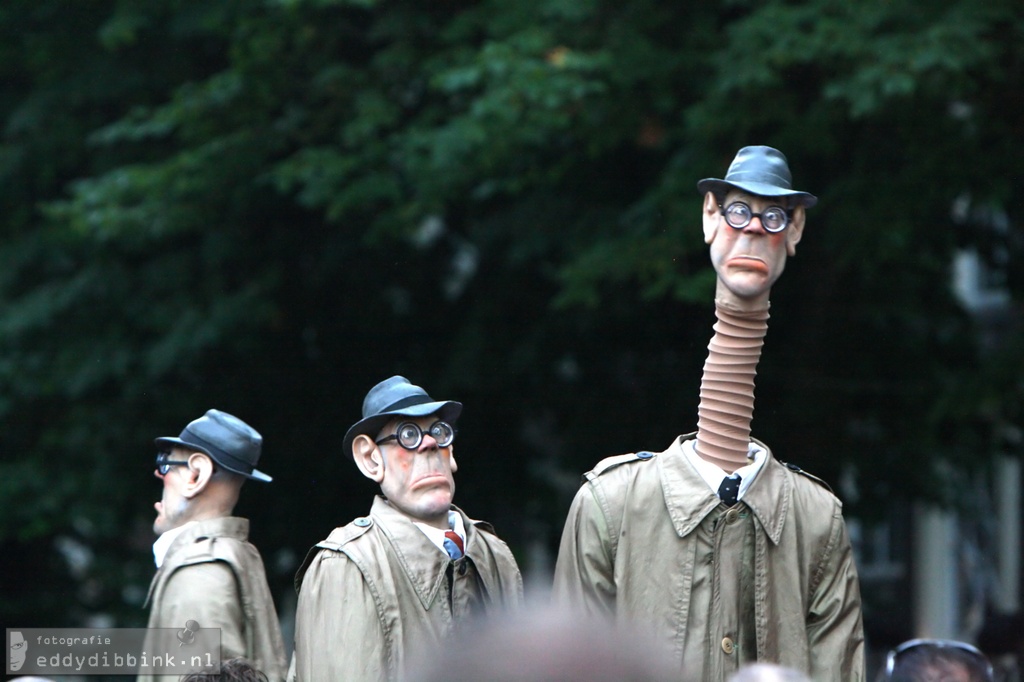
768, 496
421, 560
225, 526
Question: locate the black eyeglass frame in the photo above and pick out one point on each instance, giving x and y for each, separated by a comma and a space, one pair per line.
785, 212
890, 658
164, 464
419, 439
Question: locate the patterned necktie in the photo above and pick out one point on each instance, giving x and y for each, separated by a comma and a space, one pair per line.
453, 544
729, 490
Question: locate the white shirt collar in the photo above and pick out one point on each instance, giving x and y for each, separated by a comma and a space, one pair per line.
713, 474
164, 542
436, 535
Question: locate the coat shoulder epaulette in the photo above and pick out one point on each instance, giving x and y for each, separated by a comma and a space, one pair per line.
485, 526
609, 463
197, 552
795, 469
338, 538
211, 548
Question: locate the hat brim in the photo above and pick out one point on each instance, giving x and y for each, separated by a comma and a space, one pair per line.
446, 410
718, 186
172, 441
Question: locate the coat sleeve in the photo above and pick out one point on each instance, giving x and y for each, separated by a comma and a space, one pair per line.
834, 626
585, 569
208, 594
338, 632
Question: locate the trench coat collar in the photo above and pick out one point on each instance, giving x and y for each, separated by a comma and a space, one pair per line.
768, 497
422, 562
221, 527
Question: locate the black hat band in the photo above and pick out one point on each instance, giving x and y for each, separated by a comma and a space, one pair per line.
407, 402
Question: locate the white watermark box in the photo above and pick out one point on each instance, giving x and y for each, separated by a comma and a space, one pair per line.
113, 651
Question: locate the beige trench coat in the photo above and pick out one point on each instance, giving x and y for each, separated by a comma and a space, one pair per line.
214, 576
772, 579
377, 591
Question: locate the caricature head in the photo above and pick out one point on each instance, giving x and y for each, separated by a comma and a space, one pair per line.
19, 649
203, 469
753, 220
404, 444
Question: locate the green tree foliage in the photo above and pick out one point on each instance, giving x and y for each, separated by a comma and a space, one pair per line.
266, 207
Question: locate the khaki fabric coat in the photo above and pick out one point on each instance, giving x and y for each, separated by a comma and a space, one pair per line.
771, 579
377, 591
214, 576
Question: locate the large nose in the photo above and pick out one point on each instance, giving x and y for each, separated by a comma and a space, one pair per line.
755, 226
428, 442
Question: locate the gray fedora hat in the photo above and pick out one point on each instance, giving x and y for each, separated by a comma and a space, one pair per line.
758, 170
395, 397
228, 440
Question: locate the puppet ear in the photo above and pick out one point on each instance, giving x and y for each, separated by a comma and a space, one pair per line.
795, 230
199, 472
368, 458
711, 217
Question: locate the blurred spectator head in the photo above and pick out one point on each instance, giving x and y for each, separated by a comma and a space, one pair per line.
768, 672
936, 660
231, 670
546, 645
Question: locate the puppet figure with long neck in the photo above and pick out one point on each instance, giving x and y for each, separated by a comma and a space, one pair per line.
753, 221
731, 556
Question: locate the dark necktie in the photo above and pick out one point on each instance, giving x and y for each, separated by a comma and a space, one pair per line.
453, 544
729, 490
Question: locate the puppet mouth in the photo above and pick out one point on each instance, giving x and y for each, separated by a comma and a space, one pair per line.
748, 263
431, 480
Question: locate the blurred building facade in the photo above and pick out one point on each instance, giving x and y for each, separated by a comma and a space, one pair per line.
955, 572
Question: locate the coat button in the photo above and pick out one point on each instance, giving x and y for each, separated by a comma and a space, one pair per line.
732, 515
727, 646
462, 568
362, 522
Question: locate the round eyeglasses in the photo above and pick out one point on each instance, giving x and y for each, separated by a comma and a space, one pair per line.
164, 462
738, 215
409, 435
